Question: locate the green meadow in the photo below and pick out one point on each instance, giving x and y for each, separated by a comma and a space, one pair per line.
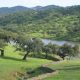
12, 63
67, 70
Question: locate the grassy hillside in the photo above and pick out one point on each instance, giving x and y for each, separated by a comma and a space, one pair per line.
68, 70
48, 22
13, 63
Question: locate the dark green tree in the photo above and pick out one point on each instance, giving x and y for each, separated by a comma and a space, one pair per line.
76, 50
65, 50
47, 49
2, 45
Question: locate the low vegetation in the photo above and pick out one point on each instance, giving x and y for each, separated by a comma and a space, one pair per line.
22, 52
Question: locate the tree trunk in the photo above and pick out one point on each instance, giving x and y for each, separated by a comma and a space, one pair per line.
24, 58
2, 53
46, 56
63, 58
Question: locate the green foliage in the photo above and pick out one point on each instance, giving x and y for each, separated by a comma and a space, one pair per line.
2, 44
59, 23
6, 35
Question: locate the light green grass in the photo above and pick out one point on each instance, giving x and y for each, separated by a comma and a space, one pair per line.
12, 63
68, 70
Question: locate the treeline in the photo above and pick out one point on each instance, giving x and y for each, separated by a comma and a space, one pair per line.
48, 22
37, 48
4, 34
34, 47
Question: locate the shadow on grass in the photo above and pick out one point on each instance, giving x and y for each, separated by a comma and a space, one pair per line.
42, 56
39, 71
11, 58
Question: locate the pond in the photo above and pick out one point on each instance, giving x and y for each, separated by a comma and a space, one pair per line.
46, 41
60, 43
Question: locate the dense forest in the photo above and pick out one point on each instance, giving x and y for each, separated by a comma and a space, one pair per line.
53, 22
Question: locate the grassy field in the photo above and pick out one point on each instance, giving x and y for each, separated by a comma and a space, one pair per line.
12, 63
68, 70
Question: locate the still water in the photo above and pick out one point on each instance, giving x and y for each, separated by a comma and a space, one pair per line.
60, 43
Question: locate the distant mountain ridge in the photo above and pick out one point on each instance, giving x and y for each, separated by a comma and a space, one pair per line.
46, 7
5, 10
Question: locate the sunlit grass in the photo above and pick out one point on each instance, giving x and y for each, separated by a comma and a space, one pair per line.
68, 70
12, 63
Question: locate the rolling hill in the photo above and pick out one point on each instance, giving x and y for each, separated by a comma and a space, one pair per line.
61, 23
